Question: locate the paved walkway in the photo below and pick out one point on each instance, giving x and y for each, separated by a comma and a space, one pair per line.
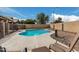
17, 43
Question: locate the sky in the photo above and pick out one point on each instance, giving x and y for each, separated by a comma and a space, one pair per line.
67, 13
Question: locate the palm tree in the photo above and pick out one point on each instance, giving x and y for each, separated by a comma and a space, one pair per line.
42, 18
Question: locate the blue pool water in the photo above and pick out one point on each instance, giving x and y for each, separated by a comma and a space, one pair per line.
33, 32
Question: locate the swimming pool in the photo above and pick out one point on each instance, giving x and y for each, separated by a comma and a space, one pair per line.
33, 32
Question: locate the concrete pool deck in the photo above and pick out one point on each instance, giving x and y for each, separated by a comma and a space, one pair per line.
16, 43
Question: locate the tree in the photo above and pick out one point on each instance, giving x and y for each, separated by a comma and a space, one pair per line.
42, 18
22, 21
59, 20
18, 21
29, 21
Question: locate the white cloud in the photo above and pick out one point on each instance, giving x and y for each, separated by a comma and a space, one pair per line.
66, 18
9, 11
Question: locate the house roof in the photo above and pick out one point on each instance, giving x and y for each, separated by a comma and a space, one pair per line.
10, 19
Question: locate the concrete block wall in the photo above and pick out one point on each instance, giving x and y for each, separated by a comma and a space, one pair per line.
67, 26
28, 26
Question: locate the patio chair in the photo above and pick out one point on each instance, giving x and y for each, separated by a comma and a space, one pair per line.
60, 48
2, 49
41, 49
25, 49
